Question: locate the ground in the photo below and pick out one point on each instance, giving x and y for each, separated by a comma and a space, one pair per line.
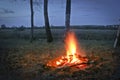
22, 60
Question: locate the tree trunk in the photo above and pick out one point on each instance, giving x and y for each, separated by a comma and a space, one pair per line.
117, 40
68, 12
47, 27
32, 20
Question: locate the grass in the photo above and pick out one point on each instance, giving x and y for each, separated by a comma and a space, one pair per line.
28, 59
91, 34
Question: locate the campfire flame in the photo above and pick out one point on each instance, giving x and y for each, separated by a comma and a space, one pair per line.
72, 57
71, 47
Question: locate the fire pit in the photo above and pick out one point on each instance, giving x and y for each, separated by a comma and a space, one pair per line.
74, 55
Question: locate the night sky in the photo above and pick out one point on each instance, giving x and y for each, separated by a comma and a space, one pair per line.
83, 12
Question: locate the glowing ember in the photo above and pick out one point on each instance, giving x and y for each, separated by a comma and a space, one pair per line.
73, 56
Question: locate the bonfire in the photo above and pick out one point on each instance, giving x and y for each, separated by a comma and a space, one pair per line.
74, 55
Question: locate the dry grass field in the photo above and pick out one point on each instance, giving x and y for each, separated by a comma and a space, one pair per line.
22, 60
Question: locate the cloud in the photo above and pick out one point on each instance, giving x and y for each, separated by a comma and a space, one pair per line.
6, 11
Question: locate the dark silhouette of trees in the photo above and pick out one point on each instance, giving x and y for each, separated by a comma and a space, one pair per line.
68, 12
3, 26
47, 26
22, 28
32, 20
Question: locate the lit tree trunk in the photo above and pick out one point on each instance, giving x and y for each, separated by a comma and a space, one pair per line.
47, 27
117, 40
68, 12
32, 19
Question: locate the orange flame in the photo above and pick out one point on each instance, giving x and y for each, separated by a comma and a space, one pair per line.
73, 56
71, 47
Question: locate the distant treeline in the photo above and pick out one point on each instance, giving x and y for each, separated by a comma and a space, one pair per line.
112, 27
88, 27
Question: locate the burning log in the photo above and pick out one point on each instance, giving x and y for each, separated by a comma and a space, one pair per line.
62, 62
72, 58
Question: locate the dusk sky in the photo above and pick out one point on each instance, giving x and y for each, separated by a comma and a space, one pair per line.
83, 12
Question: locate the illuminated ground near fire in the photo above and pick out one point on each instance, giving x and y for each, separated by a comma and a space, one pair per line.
29, 60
